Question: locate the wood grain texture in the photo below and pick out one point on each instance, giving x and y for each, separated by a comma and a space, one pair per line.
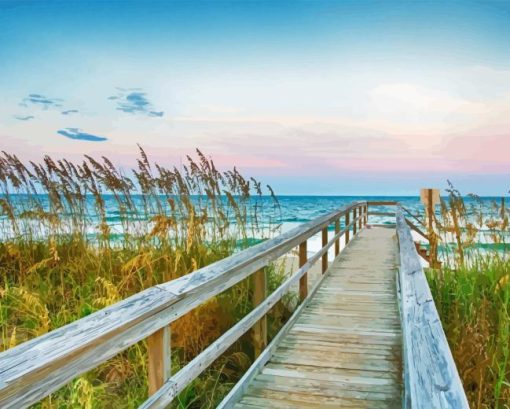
344, 347
347, 223
303, 282
430, 374
159, 365
38, 367
382, 203
259, 330
337, 243
325, 256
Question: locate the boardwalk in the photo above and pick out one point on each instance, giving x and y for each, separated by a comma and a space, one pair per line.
344, 350
354, 341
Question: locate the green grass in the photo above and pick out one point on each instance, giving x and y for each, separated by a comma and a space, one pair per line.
472, 295
474, 306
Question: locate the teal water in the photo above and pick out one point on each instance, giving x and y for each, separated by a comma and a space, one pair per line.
291, 210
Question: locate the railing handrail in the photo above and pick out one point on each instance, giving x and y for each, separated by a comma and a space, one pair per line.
34, 369
430, 375
413, 216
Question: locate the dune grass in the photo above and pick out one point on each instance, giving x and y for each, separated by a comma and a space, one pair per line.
75, 238
472, 294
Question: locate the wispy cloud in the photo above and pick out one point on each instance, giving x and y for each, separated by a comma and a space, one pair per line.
69, 112
41, 101
75, 133
24, 118
134, 101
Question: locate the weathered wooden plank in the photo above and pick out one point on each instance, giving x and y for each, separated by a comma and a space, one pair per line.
347, 362
337, 355
320, 345
359, 383
368, 376
282, 398
348, 336
431, 377
319, 388
324, 386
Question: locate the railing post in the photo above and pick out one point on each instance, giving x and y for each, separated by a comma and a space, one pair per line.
347, 227
366, 214
337, 242
361, 216
259, 295
303, 281
159, 368
429, 211
354, 224
325, 255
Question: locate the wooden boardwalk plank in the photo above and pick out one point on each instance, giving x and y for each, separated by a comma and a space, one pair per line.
344, 349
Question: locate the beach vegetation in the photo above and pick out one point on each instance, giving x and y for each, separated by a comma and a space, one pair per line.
77, 237
472, 294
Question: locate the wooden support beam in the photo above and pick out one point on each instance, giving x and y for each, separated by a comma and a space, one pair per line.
360, 222
354, 225
325, 255
259, 295
160, 364
303, 281
430, 198
366, 214
347, 228
337, 242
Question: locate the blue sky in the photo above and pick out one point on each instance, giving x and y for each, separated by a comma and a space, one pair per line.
312, 97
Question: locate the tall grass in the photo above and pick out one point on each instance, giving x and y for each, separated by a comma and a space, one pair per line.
472, 293
77, 237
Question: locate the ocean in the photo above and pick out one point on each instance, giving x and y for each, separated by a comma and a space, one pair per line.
290, 212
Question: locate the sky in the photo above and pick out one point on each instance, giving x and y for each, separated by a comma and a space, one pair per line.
314, 98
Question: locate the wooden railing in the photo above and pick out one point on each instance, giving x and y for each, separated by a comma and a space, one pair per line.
431, 379
36, 368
